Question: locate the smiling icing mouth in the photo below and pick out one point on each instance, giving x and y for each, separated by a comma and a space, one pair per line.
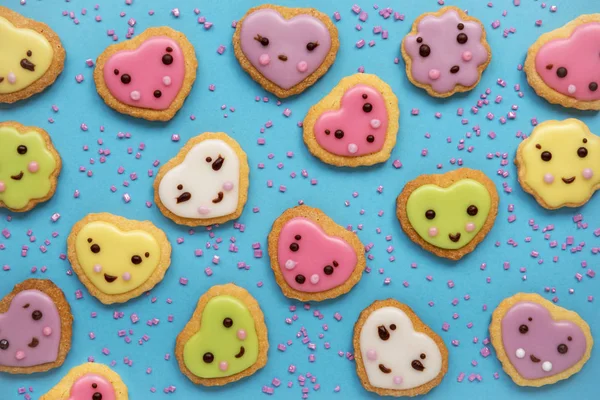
455, 238
219, 198
109, 278
568, 180
241, 353
384, 369
534, 358
18, 176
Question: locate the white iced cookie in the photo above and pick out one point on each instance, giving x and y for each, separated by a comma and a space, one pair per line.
206, 183
396, 353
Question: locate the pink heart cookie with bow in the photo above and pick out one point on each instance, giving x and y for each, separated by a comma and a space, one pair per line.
355, 124
312, 257
35, 328
538, 342
285, 49
148, 77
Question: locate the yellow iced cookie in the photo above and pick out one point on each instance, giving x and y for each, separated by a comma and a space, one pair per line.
118, 259
559, 163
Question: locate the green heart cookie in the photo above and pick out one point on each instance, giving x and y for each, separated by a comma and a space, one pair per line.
226, 343
449, 218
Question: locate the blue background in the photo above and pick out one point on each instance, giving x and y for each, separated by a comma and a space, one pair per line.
79, 103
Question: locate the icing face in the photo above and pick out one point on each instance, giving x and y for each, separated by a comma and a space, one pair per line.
310, 260
538, 346
150, 76
116, 261
30, 330
561, 162
449, 218
92, 387
358, 127
226, 343
446, 51
571, 66
26, 167
26, 56
395, 355
284, 51
206, 184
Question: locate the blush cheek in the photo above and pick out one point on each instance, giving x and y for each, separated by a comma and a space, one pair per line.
97, 268
126, 276
434, 74
47, 331
302, 66
433, 232
548, 178
371, 355
33, 167
2, 187
470, 227
264, 59
241, 334
586, 173
467, 56
227, 186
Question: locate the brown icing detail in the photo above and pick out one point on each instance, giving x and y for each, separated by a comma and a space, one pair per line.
183, 197
34, 343
241, 353
219, 198
539, 146
384, 369
282, 57
218, 163
95, 248
167, 59
417, 365
455, 238
109, 278
568, 181
28, 65
383, 332
312, 45
263, 40
17, 177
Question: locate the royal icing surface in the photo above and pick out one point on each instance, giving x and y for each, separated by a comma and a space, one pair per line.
359, 127
26, 165
449, 218
285, 51
30, 330
26, 56
310, 260
446, 51
561, 162
226, 343
92, 387
206, 184
538, 346
571, 66
116, 261
150, 76
396, 356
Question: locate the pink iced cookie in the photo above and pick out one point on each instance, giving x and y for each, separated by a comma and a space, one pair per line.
446, 52
358, 127
30, 331
92, 387
285, 49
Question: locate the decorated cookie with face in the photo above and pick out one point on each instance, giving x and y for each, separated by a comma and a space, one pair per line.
563, 66
312, 257
226, 338
356, 124
446, 52
35, 328
285, 49
396, 353
448, 214
206, 183
537, 342
559, 163
32, 56
90, 381
29, 166
149, 76
118, 259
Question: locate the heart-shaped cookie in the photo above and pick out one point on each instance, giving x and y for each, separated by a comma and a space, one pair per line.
90, 381
226, 338
355, 124
285, 49
116, 258
35, 328
312, 257
538, 342
148, 77
448, 214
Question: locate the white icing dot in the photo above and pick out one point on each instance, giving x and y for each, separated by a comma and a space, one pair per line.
375, 123
352, 148
12, 78
572, 89
135, 95
290, 264
520, 353
314, 279
547, 366
167, 80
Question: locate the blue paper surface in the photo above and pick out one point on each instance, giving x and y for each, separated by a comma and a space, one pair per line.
80, 104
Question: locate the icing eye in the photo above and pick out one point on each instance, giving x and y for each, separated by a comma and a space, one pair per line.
208, 358
370, 138
383, 332
546, 156
169, 49
4, 344
218, 164
126, 79
462, 38
167, 59
227, 322
523, 329
393, 327
263, 40
561, 72
29, 53
136, 259
367, 107
364, 96
569, 338
430, 214
423, 356
297, 237
89, 240
593, 86
208, 159
327, 131
549, 66
97, 396
311, 46
147, 254
294, 247
419, 40
454, 69
179, 187
339, 134
328, 270
157, 94
472, 210
300, 279
424, 50
95, 248
116, 71
562, 348
22, 149
94, 385
37, 315
582, 152
460, 26
417, 365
